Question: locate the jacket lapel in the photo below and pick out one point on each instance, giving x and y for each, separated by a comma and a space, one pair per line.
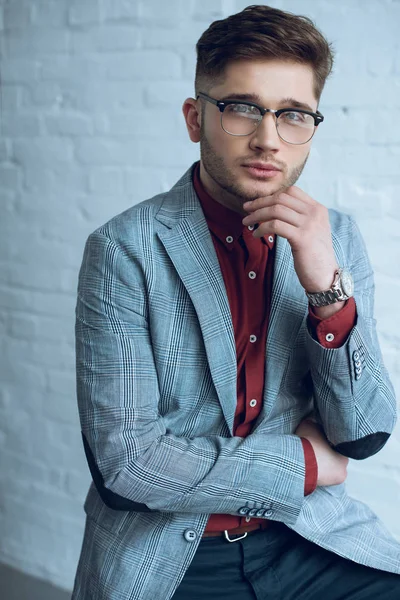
188, 242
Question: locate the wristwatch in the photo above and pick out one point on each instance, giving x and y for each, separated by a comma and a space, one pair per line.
342, 289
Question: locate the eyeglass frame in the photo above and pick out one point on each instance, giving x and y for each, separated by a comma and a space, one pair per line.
222, 104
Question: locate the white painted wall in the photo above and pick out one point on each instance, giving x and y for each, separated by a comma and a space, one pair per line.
91, 123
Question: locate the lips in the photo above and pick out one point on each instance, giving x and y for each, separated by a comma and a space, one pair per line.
262, 166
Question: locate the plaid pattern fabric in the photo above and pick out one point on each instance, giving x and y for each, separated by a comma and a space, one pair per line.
156, 383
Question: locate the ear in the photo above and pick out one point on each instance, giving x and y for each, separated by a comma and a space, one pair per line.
192, 112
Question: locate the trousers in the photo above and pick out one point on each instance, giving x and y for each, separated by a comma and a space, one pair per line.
278, 564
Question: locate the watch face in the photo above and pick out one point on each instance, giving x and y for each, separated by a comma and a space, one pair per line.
347, 283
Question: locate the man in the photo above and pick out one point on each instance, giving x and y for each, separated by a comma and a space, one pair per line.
227, 358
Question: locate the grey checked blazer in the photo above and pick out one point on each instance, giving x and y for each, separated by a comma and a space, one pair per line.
156, 381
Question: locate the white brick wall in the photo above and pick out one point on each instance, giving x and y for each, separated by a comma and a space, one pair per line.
91, 123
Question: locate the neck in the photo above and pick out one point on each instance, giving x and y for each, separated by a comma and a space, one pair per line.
219, 194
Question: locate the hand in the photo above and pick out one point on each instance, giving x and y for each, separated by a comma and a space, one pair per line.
294, 215
332, 466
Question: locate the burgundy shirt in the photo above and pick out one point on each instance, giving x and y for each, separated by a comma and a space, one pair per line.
247, 268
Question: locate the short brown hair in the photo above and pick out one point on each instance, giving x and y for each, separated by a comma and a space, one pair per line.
262, 32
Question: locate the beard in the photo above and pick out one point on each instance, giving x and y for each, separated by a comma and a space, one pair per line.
227, 184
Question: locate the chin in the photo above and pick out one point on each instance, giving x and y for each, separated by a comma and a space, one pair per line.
251, 192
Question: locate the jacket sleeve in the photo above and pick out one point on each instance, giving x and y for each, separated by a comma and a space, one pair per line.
354, 398
136, 462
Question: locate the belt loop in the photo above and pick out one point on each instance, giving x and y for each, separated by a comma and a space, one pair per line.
235, 539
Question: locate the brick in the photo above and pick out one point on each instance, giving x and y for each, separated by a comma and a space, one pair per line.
386, 305
41, 250
382, 262
97, 208
36, 302
144, 65
377, 134
100, 97
10, 177
39, 327
39, 357
141, 184
169, 153
10, 97
42, 94
155, 123
361, 197
168, 94
20, 125
52, 13
67, 124
83, 13
108, 152
28, 375
43, 151
72, 70
19, 70
364, 91
344, 124
4, 151
179, 37
354, 158
67, 177
105, 180
209, 10
77, 483
116, 11
37, 42
17, 16
22, 327
110, 38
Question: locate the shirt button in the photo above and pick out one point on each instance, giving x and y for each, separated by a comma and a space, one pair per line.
329, 337
252, 275
248, 519
270, 239
253, 338
253, 403
229, 239
250, 227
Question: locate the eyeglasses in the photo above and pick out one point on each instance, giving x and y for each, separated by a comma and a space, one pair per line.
239, 118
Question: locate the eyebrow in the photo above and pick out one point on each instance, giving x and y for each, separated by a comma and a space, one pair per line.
287, 102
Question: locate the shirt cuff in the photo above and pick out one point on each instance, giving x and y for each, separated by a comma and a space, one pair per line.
310, 482
333, 331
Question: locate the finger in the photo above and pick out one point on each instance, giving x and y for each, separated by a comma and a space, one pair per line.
276, 212
276, 227
282, 198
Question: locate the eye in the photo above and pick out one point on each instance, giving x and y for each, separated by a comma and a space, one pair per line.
294, 116
243, 109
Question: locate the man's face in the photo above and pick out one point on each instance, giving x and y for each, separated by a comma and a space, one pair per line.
275, 84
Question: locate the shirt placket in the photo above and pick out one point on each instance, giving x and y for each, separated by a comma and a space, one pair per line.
254, 277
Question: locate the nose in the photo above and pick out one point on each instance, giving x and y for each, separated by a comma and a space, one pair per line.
266, 136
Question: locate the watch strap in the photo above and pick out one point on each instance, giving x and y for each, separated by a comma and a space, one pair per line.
334, 294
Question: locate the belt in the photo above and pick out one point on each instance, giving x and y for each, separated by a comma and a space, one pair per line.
239, 531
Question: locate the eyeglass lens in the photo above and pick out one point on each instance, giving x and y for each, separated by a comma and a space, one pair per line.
293, 127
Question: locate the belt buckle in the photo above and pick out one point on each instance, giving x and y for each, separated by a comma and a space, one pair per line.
236, 539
